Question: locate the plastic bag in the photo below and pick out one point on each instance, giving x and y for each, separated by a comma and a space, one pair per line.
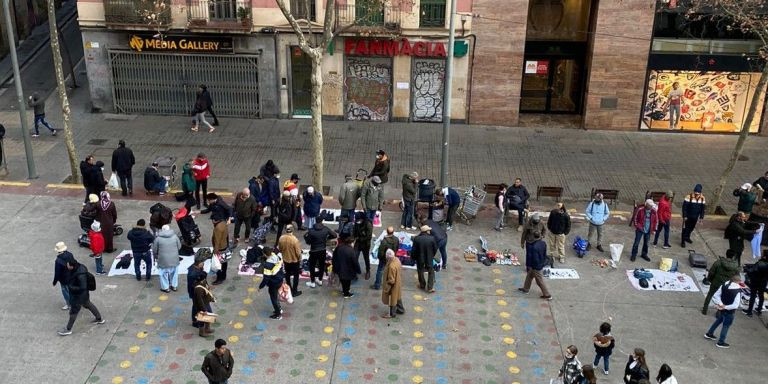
616, 250
215, 263
113, 183
284, 293
665, 264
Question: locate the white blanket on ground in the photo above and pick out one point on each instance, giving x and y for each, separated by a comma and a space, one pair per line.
184, 264
402, 236
337, 212
665, 281
561, 274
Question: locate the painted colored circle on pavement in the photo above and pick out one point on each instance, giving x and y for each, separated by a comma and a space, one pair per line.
509, 340
500, 292
325, 343
156, 309
149, 321
417, 363
333, 304
417, 379
117, 380
514, 370
330, 316
238, 325
248, 301
511, 354
243, 313
134, 349
328, 329
506, 327
418, 334
233, 339
417, 321
163, 297
125, 364
141, 335
320, 374
322, 358
418, 348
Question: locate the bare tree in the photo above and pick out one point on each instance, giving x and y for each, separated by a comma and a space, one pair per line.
751, 17
62, 89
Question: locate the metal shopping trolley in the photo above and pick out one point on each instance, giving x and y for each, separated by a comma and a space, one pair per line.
471, 201
166, 166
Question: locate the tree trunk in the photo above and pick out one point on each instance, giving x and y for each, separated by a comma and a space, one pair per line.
753, 106
62, 88
317, 118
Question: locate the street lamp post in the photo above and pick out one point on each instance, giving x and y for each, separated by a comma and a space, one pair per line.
447, 96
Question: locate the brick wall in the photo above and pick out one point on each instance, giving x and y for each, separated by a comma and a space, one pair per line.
498, 61
619, 64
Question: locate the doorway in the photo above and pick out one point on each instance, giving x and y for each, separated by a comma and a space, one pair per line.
551, 85
301, 83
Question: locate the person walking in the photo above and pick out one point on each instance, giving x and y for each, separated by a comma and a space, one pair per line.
423, 252
363, 232
636, 368
62, 276
345, 265
558, 226
245, 208
286, 211
410, 190
141, 243
198, 111
97, 246
747, 197
86, 176
535, 261
188, 183
289, 246
38, 104
313, 201
348, 195
202, 171
195, 272
597, 213
218, 364
694, 206
205, 94
516, 198
122, 164
664, 213
79, 296
604, 344
646, 221
201, 304
381, 167
391, 293
317, 238
736, 232
166, 250
273, 280
499, 202
441, 238
372, 196
719, 273
727, 299
665, 375
107, 216
531, 226
153, 182
757, 280
388, 242
570, 372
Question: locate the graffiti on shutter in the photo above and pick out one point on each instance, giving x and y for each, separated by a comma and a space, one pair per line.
428, 82
368, 89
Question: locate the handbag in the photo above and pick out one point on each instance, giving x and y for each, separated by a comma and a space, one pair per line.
215, 263
284, 293
113, 182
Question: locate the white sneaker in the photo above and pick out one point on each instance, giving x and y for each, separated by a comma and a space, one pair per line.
320, 282
65, 308
311, 284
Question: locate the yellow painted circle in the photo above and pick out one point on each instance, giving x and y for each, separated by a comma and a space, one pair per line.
417, 321
504, 315
243, 313
125, 364
500, 292
502, 303
335, 293
256, 279
497, 281
163, 297
233, 339
134, 349
417, 379
319, 373
248, 301
238, 325
417, 363
149, 321
333, 304
328, 329
506, 327
418, 309
515, 382
418, 334
514, 370
325, 343
251, 289
142, 334
322, 358
497, 271
509, 340
330, 316
511, 354
417, 297
156, 309
117, 380
418, 348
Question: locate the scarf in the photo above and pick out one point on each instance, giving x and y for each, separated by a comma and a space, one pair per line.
105, 201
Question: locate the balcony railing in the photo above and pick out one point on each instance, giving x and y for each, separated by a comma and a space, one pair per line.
299, 9
369, 14
152, 13
228, 14
432, 13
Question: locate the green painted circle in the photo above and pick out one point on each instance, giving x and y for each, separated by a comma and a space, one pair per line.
490, 381
191, 382
299, 356
489, 368
216, 325
128, 320
486, 338
394, 361
120, 333
102, 363
306, 328
196, 367
482, 312
221, 311
302, 342
476, 269
237, 278
395, 332
483, 325
142, 296
231, 288
487, 352
310, 304
134, 308
480, 289
295, 372
203, 352
226, 300
478, 279
481, 301
309, 315
394, 347
111, 348
392, 377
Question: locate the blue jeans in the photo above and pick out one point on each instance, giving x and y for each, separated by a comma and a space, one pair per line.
674, 114
407, 219
41, 119
138, 257
606, 359
443, 254
99, 263
168, 276
379, 273
665, 227
645, 237
726, 319
160, 186
309, 222
371, 213
65, 292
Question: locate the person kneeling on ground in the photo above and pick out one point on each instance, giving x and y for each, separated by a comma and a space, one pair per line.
153, 182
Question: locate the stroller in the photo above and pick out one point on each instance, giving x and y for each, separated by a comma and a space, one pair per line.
159, 215
85, 225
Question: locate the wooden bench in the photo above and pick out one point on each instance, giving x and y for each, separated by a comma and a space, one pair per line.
656, 196
556, 192
491, 189
608, 194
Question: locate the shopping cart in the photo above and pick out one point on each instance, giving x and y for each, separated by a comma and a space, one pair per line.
166, 166
471, 201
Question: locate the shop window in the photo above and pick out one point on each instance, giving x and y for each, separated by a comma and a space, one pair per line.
304, 9
709, 101
432, 13
677, 24
558, 20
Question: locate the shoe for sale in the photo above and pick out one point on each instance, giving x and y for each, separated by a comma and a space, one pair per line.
311, 284
708, 336
65, 332
98, 321
722, 345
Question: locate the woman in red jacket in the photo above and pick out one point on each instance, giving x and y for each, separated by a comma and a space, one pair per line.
97, 246
665, 219
202, 171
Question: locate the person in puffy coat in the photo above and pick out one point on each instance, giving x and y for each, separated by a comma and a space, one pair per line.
664, 212
188, 183
79, 296
372, 196
313, 201
166, 250
61, 274
381, 167
202, 171
646, 222
345, 265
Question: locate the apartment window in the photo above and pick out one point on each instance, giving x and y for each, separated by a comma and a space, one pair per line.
304, 9
432, 13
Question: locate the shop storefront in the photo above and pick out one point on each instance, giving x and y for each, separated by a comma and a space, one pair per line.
716, 93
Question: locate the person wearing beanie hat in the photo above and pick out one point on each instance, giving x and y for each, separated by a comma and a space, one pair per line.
313, 201
166, 250
153, 182
423, 252
558, 227
694, 206
747, 198
535, 261
61, 274
286, 213
664, 212
97, 246
646, 222
141, 244
372, 196
381, 167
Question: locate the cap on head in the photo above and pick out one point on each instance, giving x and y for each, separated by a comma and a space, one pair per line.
698, 188
295, 176
96, 226
165, 227
649, 203
311, 189
92, 198
220, 343
289, 228
60, 247
155, 164
141, 223
425, 228
376, 180
746, 186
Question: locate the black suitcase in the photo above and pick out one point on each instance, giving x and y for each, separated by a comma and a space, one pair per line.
697, 260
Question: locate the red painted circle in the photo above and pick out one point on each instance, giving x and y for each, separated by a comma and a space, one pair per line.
181, 351
173, 366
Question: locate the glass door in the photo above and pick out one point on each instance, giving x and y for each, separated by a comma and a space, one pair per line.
301, 83
551, 85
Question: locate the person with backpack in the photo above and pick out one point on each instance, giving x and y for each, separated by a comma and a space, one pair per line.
97, 246
535, 261
604, 344
757, 276
80, 284
317, 238
570, 372
122, 164
720, 271
597, 213
727, 299
61, 274
141, 244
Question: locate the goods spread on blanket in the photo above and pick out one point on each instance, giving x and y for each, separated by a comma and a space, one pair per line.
664, 281
184, 264
403, 252
337, 212
700, 274
560, 273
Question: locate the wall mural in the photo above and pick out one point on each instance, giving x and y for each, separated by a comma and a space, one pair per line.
428, 82
718, 97
368, 85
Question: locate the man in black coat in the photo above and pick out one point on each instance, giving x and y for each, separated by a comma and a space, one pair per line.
736, 233
317, 238
79, 296
209, 101
345, 265
423, 253
85, 175
517, 199
141, 243
153, 182
61, 274
122, 163
195, 272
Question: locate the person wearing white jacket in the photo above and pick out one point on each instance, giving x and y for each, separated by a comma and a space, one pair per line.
665, 375
166, 250
727, 300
